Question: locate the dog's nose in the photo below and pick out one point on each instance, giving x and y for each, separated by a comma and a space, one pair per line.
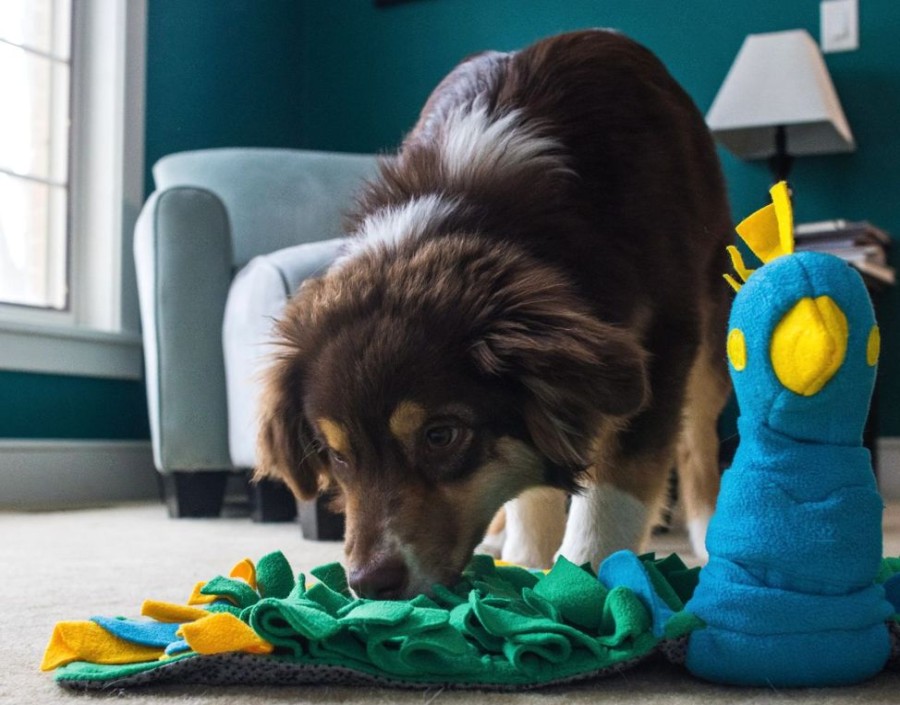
383, 579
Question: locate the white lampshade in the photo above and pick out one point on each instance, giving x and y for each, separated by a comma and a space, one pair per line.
779, 80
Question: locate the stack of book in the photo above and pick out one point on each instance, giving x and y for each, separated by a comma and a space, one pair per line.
858, 242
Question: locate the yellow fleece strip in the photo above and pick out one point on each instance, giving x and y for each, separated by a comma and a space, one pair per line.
246, 571
87, 641
171, 613
222, 632
198, 598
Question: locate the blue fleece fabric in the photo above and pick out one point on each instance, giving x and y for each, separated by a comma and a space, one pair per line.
788, 596
145, 632
625, 569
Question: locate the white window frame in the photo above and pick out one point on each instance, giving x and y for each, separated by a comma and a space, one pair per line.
99, 334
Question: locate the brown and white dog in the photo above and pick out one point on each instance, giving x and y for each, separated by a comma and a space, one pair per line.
534, 299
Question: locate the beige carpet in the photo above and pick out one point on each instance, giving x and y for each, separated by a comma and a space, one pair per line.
74, 564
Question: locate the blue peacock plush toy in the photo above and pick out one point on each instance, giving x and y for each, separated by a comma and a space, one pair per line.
789, 596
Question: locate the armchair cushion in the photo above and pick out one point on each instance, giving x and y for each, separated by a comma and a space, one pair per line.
256, 299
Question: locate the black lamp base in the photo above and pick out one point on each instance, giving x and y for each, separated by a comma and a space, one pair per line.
781, 162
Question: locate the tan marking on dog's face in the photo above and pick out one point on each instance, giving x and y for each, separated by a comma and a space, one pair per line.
335, 435
406, 420
476, 500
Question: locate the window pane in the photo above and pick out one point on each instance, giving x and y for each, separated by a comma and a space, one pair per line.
32, 243
34, 151
28, 23
35, 94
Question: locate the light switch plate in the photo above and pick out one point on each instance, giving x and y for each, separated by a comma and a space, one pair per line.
839, 25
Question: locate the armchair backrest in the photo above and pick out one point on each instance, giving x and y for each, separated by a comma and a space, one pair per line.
274, 198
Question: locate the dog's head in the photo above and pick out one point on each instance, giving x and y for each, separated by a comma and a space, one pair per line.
430, 385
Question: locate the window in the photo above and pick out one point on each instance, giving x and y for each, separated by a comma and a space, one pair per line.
72, 75
34, 151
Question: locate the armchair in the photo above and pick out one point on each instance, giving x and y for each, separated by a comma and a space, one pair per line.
223, 241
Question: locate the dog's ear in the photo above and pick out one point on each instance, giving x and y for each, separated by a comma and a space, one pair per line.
286, 449
574, 370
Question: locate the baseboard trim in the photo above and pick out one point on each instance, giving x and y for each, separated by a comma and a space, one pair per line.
889, 467
51, 474
70, 351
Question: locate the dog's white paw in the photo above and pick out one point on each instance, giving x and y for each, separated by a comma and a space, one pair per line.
527, 556
492, 544
602, 520
697, 532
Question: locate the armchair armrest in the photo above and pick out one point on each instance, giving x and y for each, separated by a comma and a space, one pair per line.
183, 256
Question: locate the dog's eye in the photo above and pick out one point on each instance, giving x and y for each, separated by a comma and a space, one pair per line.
441, 437
336, 457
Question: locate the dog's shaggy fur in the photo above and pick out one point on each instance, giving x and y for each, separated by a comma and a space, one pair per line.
534, 298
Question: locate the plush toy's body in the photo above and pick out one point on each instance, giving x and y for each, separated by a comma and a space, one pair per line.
789, 595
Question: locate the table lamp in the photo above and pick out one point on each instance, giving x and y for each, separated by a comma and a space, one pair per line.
778, 102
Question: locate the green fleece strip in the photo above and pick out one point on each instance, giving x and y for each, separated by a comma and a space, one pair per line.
889, 567
672, 580
274, 576
236, 591
84, 671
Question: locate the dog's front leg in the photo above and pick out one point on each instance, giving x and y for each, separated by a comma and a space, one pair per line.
535, 522
617, 508
602, 520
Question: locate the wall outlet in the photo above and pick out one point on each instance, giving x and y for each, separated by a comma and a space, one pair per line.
839, 25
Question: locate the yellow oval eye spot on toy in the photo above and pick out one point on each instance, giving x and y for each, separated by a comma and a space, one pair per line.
809, 345
737, 349
873, 346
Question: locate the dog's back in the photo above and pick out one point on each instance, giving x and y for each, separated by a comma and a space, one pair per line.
583, 149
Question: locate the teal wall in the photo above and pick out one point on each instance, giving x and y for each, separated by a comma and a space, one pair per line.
369, 71
223, 73
55, 406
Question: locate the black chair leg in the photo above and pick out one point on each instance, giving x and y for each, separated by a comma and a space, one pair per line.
194, 494
271, 501
318, 522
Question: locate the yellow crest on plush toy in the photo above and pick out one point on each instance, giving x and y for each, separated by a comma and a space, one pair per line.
769, 233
